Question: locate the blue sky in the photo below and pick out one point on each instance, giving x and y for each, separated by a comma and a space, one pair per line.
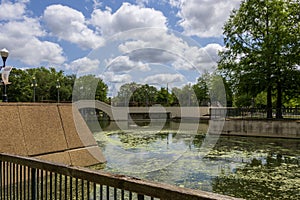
66, 34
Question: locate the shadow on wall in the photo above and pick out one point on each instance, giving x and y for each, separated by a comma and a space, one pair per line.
46, 131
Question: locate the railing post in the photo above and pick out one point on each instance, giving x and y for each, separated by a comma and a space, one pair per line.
141, 197
33, 184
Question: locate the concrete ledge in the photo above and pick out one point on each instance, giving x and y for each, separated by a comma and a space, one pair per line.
259, 128
61, 157
91, 155
47, 131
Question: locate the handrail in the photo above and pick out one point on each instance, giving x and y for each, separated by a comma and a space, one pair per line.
251, 113
92, 177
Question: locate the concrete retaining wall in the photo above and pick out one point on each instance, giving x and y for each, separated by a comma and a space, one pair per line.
46, 131
263, 128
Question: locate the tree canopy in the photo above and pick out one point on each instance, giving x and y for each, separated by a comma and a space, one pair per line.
262, 41
44, 84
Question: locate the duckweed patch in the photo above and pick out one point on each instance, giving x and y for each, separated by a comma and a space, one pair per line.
250, 168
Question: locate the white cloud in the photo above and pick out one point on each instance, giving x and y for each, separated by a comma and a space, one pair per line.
164, 78
70, 25
21, 36
83, 65
142, 3
9, 10
212, 50
26, 28
115, 78
124, 64
127, 17
159, 46
150, 55
175, 3
34, 52
203, 59
97, 4
204, 18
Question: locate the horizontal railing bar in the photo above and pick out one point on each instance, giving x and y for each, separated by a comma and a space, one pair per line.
149, 188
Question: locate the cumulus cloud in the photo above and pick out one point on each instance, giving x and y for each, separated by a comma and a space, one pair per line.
161, 46
116, 78
202, 59
21, 35
127, 17
26, 36
25, 28
12, 11
83, 65
164, 78
142, 2
34, 52
204, 18
124, 64
70, 25
97, 4
151, 55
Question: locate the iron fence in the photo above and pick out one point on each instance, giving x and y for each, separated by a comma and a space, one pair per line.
252, 113
28, 178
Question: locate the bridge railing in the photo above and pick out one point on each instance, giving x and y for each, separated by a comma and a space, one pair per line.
29, 178
252, 113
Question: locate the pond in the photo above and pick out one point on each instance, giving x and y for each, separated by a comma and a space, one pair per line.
246, 167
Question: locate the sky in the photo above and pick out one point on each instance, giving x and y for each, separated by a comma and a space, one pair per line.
147, 41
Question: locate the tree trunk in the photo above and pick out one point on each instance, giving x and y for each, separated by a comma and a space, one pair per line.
269, 102
279, 101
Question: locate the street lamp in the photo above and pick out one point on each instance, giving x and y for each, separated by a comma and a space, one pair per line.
34, 85
57, 87
4, 54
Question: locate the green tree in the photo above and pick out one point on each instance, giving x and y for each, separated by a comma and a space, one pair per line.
19, 90
89, 87
201, 89
219, 90
163, 97
145, 95
125, 94
44, 78
186, 95
262, 48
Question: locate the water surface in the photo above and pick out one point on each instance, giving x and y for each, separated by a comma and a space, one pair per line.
247, 167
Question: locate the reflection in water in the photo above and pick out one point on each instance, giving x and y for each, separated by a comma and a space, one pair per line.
247, 167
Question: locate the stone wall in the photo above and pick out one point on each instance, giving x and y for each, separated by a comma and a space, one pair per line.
263, 128
47, 131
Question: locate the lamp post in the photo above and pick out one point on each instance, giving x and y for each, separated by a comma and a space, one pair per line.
34, 85
57, 87
4, 54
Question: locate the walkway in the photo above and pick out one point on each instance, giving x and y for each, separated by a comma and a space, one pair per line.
123, 113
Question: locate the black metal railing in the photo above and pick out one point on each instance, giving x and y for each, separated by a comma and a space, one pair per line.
252, 113
28, 178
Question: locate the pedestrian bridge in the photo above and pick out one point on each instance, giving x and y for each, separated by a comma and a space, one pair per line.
125, 113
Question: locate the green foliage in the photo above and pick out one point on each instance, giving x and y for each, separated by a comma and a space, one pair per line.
243, 100
207, 87
89, 87
262, 48
144, 95
186, 95
19, 90
201, 90
163, 97
125, 94
46, 87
